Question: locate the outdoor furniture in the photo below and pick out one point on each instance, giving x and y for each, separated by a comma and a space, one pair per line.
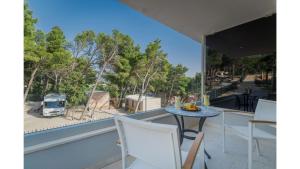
265, 114
156, 146
253, 102
247, 101
204, 113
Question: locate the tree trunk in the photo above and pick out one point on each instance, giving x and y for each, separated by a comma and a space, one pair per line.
233, 72
93, 112
120, 101
47, 84
30, 83
56, 81
123, 96
274, 79
140, 95
93, 90
59, 82
166, 101
145, 83
267, 77
138, 101
134, 89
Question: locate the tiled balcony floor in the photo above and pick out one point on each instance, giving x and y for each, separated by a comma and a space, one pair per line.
236, 155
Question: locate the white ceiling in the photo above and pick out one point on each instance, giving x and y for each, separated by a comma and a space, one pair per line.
197, 18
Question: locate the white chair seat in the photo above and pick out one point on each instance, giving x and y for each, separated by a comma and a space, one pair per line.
257, 133
139, 164
156, 146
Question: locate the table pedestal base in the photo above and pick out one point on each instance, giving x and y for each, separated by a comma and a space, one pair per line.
182, 130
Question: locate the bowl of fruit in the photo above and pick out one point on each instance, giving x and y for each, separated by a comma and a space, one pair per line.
190, 107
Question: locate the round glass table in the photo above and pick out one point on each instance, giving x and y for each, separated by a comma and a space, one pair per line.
202, 114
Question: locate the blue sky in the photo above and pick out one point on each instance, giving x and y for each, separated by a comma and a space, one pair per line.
75, 16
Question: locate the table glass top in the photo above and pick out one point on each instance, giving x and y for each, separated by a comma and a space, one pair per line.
204, 112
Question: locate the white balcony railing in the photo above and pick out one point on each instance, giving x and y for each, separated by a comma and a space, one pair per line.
85, 145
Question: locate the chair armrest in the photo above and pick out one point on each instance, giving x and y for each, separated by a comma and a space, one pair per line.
188, 164
262, 122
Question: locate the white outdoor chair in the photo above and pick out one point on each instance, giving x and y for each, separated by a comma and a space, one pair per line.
265, 113
156, 146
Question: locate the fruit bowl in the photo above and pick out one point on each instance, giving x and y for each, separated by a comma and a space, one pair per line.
192, 108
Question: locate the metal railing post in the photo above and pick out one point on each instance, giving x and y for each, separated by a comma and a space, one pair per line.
203, 67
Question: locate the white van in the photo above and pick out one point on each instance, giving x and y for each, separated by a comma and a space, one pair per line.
54, 104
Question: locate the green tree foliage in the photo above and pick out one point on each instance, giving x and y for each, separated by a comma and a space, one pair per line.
122, 74
177, 82
74, 86
107, 47
110, 62
240, 66
50, 67
55, 40
151, 66
268, 64
213, 58
60, 61
29, 33
84, 45
194, 85
35, 52
76, 83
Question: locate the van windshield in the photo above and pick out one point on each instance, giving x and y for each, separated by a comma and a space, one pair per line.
56, 104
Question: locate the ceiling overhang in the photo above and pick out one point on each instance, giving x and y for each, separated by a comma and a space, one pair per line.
198, 18
252, 38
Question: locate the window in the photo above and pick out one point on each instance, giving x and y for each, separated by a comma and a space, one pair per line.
238, 82
57, 104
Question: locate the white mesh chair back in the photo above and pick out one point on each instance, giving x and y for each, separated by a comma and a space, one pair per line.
152, 143
265, 110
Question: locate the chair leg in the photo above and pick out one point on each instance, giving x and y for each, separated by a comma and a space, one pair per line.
257, 146
223, 132
123, 162
224, 140
250, 153
250, 146
201, 153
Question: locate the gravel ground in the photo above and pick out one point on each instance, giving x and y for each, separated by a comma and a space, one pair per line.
34, 121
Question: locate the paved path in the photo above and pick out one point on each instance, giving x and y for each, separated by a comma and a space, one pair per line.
249, 82
230, 101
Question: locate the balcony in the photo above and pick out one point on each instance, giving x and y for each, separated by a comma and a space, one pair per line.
93, 144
